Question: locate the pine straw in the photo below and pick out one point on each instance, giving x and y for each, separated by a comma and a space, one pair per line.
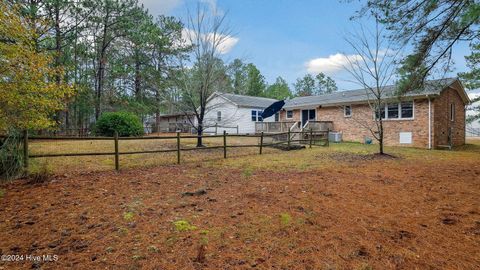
420, 211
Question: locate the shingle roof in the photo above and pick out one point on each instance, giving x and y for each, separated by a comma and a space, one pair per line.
248, 101
433, 87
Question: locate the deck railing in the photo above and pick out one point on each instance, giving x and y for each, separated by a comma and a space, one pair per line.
318, 125
271, 127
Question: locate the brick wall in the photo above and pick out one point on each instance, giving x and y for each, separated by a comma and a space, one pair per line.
442, 122
296, 115
356, 127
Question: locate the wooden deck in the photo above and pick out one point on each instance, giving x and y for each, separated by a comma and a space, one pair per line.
276, 127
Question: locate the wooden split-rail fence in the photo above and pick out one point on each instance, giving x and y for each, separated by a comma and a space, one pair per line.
306, 137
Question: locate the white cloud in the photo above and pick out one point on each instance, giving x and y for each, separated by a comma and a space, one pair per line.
227, 41
157, 7
212, 4
331, 64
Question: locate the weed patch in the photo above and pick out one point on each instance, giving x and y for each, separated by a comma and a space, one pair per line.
128, 216
285, 219
247, 172
183, 226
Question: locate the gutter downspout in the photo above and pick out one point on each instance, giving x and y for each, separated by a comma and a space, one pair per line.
429, 122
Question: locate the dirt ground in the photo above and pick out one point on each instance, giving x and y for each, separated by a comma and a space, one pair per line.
323, 208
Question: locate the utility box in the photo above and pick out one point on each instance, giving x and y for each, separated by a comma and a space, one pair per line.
335, 137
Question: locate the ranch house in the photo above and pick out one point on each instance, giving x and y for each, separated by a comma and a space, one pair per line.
235, 113
433, 117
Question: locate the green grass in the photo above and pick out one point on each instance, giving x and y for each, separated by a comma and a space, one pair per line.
272, 159
321, 157
62, 165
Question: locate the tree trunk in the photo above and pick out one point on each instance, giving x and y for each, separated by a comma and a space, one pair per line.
380, 141
138, 90
200, 134
101, 66
98, 98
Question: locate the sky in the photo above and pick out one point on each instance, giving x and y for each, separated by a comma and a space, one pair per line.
288, 38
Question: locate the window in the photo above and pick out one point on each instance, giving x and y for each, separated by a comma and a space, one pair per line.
289, 114
380, 112
257, 116
311, 115
219, 116
407, 109
452, 112
393, 111
347, 111
277, 117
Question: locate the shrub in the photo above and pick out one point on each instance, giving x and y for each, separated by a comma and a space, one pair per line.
11, 157
126, 124
41, 175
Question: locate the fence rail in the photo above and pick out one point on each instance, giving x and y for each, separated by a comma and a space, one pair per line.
307, 137
472, 132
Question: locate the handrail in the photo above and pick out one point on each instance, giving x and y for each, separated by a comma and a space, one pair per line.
293, 126
308, 121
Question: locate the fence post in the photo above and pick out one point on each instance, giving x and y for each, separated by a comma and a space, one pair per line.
311, 137
117, 155
224, 144
288, 139
261, 142
237, 130
328, 139
216, 128
178, 147
25, 150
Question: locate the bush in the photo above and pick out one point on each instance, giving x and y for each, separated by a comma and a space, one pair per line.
41, 175
126, 124
11, 157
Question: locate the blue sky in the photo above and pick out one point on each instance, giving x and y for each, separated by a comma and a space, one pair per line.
287, 38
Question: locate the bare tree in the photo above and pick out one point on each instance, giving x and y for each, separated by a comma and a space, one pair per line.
372, 67
207, 32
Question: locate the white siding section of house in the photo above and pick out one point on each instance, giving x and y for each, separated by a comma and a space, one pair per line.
232, 116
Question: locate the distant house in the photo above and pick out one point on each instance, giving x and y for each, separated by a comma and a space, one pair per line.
429, 118
174, 122
235, 113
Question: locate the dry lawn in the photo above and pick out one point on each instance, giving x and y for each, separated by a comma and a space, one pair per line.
323, 208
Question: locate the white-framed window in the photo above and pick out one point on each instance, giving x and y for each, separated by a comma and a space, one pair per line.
257, 116
452, 112
347, 110
219, 116
289, 114
406, 110
396, 111
393, 111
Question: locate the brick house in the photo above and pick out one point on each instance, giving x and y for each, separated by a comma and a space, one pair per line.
430, 118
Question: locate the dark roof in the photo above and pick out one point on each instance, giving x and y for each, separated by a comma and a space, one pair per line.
433, 87
247, 101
